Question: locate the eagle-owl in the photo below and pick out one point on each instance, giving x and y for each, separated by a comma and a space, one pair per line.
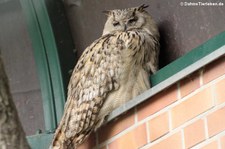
112, 70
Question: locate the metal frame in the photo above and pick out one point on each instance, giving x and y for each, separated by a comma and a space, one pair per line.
191, 57
47, 61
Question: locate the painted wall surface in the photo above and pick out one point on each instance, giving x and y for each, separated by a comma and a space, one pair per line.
182, 28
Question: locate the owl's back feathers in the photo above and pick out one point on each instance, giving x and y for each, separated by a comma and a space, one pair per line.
112, 70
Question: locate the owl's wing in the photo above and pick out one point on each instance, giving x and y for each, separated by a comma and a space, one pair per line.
94, 76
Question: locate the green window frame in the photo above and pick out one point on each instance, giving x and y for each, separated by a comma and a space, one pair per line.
52, 82
49, 69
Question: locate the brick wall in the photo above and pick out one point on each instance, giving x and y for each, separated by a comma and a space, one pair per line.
188, 114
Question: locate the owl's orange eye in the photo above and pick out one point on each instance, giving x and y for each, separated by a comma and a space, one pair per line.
116, 23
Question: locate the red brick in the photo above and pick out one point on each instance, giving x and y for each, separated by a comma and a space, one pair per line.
159, 126
116, 126
89, 142
194, 133
134, 139
222, 141
216, 122
174, 141
157, 102
189, 84
214, 70
192, 107
212, 145
220, 92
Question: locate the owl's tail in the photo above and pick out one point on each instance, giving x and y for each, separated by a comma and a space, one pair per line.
75, 137
59, 141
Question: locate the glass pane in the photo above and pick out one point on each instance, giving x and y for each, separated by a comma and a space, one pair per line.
17, 54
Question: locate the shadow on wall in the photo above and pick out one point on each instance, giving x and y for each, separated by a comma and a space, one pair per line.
169, 46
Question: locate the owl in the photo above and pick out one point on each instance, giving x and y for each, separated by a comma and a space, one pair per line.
111, 71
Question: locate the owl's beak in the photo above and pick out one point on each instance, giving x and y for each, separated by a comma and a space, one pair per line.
125, 27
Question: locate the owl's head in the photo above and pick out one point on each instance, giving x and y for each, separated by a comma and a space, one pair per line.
128, 19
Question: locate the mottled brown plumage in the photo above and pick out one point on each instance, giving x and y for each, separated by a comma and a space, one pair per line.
112, 70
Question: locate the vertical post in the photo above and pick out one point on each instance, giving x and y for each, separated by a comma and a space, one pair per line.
11, 131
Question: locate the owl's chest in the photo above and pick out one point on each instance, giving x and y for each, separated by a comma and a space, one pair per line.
124, 53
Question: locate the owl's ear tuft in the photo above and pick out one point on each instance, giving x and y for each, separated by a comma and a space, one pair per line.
107, 12
142, 7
